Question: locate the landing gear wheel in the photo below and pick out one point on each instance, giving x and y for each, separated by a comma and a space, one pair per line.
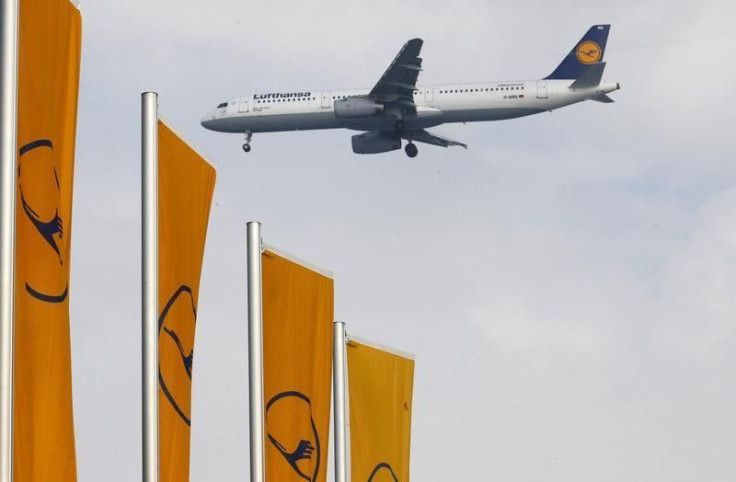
411, 150
248, 136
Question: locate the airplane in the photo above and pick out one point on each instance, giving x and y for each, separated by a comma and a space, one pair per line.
396, 109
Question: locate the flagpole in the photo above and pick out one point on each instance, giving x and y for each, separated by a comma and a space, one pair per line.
149, 270
8, 150
255, 353
339, 386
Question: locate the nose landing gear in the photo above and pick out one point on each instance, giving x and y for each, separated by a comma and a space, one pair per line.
248, 136
411, 150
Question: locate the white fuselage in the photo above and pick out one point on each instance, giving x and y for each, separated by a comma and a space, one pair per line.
436, 105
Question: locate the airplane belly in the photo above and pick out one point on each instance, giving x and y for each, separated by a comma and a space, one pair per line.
426, 118
499, 113
286, 122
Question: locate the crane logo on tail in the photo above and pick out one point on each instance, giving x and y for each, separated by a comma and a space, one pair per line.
588, 52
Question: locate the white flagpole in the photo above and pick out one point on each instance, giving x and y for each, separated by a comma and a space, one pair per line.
149, 207
255, 354
340, 409
8, 151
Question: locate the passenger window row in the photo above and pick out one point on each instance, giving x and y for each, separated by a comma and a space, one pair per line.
487, 89
296, 99
416, 92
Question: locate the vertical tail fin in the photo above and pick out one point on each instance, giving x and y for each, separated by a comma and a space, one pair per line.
588, 51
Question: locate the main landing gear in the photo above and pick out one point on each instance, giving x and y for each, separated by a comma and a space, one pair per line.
248, 136
410, 149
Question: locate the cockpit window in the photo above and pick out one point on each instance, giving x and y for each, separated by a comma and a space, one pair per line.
222, 106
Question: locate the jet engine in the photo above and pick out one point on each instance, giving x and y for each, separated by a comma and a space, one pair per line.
354, 107
375, 143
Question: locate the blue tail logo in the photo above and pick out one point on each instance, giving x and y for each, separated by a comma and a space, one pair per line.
588, 51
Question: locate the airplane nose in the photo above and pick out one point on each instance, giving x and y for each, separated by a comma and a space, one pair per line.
207, 121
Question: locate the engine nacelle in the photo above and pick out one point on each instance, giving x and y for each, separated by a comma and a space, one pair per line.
375, 143
354, 107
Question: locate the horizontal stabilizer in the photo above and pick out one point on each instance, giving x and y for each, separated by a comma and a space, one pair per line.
603, 98
591, 77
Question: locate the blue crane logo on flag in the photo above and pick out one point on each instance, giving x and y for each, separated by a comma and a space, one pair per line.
37, 177
176, 338
300, 449
383, 473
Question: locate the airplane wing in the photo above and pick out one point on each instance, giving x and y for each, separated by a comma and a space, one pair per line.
422, 135
398, 83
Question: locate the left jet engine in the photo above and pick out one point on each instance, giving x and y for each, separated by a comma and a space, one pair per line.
354, 107
375, 143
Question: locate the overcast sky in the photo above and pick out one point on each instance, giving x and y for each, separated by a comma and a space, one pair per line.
567, 283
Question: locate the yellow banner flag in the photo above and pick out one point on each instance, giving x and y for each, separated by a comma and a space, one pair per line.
185, 186
48, 84
380, 386
297, 366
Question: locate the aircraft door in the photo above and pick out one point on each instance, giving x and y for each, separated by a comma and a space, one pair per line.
243, 105
541, 89
429, 95
326, 104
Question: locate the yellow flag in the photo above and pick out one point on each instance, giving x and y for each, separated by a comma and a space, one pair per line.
48, 83
185, 186
297, 365
380, 385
